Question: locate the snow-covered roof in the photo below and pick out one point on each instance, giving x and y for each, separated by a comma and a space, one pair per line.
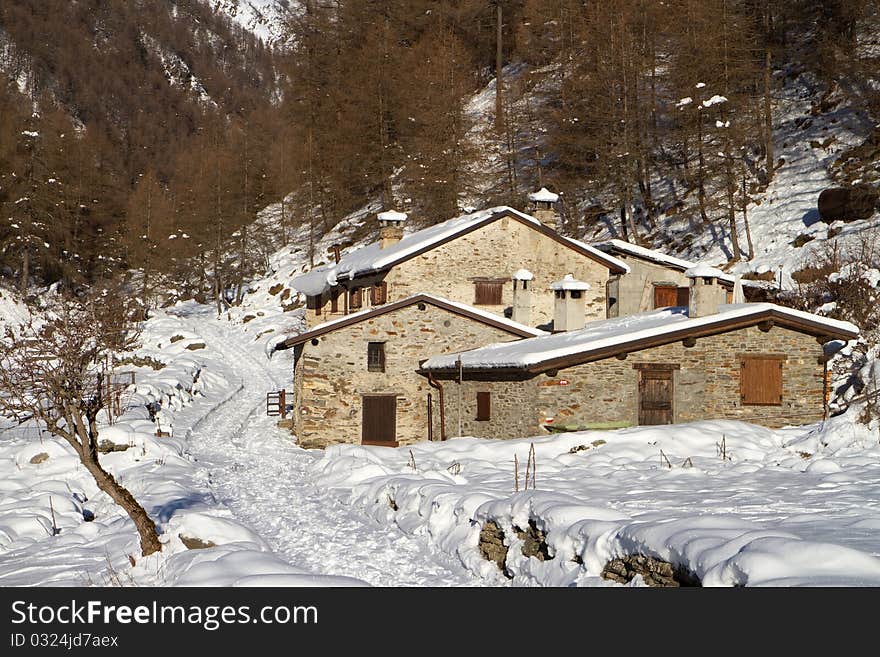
604, 338
619, 246
543, 195
523, 275
374, 258
453, 306
569, 282
703, 271
392, 215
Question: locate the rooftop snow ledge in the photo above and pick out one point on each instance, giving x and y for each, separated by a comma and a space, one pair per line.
569, 282
544, 195
392, 215
704, 271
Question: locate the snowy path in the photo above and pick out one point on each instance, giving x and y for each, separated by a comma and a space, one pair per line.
264, 479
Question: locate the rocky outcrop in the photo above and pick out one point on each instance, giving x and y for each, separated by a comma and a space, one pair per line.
492, 546
654, 572
848, 203
534, 542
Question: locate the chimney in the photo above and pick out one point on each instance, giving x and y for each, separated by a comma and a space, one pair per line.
545, 207
568, 311
390, 227
705, 293
522, 297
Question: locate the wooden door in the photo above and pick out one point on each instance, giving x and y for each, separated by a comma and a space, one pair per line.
655, 397
379, 421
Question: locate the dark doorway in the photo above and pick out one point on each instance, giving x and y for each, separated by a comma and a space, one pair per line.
655, 396
379, 426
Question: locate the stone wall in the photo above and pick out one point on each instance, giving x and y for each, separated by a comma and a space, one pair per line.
493, 251
512, 409
706, 386
332, 376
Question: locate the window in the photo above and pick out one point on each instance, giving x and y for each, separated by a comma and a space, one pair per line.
376, 356
484, 406
355, 299
761, 380
576, 294
379, 294
487, 293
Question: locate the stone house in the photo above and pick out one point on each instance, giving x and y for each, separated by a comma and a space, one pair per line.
756, 362
469, 259
655, 280
356, 379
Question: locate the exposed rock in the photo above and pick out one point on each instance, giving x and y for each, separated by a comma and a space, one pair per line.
39, 458
105, 447
597, 443
176, 338
392, 503
492, 546
195, 345
654, 572
847, 203
193, 543
802, 239
768, 275
247, 318
534, 542
275, 289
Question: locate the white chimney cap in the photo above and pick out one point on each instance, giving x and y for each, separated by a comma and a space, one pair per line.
704, 271
544, 195
523, 275
392, 215
569, 282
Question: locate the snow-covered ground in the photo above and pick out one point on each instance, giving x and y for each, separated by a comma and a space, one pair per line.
227, 476
798, 506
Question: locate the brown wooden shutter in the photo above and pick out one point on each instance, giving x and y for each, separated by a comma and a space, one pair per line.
665, 296
683, 296
334, 301
354, 299
379, 294
484, 406
487, 293
761, 381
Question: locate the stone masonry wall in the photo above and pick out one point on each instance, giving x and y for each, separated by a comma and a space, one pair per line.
706, 387
334, 372
494, 251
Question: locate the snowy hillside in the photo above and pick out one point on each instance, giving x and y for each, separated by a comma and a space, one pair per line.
265, 18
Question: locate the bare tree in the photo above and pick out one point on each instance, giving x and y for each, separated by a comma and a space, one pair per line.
53, 371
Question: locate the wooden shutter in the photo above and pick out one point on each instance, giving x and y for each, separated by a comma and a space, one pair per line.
683, 296
379, 294
487, 293
354, 299
484, 411
379, 420
665, 296
761, 381
376, 356
334, 301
